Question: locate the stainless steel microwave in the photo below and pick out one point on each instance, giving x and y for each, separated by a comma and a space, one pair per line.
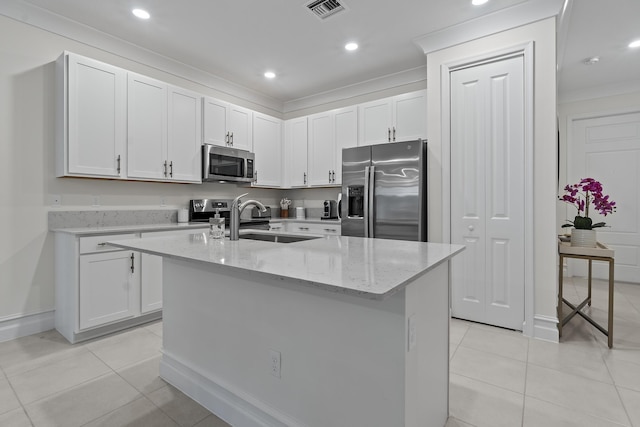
227, 164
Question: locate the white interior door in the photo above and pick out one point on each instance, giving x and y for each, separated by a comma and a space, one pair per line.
487, 192
608, 149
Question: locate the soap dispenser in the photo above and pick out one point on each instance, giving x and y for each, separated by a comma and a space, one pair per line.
216, 226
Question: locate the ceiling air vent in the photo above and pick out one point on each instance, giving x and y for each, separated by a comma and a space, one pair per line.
325, 8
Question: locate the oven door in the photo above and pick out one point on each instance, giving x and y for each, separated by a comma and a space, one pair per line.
226, 164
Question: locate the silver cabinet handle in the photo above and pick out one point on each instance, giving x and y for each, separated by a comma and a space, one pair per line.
329, 176
394, 134
132, 262
232, 139
118, 160
256, 175
102, 244
333, 179
304, 175
330, 230
303, 228
165, 168
388, 134
171, 169
226, 138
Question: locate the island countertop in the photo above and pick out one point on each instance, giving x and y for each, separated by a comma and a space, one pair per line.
369, 268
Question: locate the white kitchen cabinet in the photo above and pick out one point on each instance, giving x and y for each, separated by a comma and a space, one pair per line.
91, 118
226, 124
398, 118
321, 148
97, 286
267, 146
330, 228
164, 131
184, 135
147, 128
296, 136
109, 286
329, 133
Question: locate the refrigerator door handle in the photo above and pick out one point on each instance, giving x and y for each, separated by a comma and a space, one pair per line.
366, 201
370, 195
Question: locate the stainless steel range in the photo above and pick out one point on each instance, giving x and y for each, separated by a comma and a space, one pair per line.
200, 210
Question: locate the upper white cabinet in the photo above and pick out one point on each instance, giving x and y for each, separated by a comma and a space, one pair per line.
91, 118
296, 135
329, 133
267, 146
184, 124
164, 131
398, 118
227, 124
147, 128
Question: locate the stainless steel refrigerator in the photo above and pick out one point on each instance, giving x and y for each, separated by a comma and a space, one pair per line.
384, 191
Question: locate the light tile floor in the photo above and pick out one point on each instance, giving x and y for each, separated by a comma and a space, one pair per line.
498, 377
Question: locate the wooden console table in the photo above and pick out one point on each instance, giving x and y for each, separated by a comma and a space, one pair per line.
600, 253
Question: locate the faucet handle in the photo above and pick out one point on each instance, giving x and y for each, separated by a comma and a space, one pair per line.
237, 199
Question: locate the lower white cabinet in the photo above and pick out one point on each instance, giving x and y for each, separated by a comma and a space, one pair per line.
100, 289
331, 228
109, 284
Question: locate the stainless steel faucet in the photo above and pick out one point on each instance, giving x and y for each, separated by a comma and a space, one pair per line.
236, 210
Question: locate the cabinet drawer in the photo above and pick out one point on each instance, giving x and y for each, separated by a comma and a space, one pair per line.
326, 229
96, 243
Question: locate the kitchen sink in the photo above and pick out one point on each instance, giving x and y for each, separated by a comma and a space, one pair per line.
278, 238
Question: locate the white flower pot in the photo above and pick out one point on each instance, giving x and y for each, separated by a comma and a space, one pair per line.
583, 238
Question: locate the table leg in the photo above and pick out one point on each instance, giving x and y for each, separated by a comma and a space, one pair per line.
610, 320
560, 277
589, 283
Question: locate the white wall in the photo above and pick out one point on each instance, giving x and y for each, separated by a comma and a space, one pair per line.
542, 33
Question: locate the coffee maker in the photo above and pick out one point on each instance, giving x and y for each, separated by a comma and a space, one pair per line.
330, 210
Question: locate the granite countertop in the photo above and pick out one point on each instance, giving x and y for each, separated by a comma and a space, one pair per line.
138, 228
369, 268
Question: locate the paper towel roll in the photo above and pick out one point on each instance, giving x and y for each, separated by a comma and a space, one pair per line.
183, 215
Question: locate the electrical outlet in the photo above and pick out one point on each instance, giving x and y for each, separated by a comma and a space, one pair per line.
274, 360
95, 200
411, 327
163, 201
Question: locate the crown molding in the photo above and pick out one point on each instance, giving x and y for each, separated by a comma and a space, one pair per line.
505, 19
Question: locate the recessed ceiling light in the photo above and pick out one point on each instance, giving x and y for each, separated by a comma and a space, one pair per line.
141, 13
591, 61
478, 2
351, 46
270, 74
635, 43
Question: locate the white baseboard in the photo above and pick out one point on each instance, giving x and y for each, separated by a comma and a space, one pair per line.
26, 325
233, 408
545, 328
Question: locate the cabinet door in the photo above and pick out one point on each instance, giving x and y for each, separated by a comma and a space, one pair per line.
239, 126
184, 135
375, 122
96, 123
321, 149
215, 119
147, 128
109, 284
410, 116
296, 146
267, 146
345, 130
150, 283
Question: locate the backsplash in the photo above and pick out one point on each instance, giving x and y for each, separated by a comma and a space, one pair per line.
108, 218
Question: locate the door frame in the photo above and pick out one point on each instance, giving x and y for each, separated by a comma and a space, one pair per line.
527, 51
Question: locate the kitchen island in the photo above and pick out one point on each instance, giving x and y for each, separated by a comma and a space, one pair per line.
334, 331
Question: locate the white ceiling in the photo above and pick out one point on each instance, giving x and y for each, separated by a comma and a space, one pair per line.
240, 39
